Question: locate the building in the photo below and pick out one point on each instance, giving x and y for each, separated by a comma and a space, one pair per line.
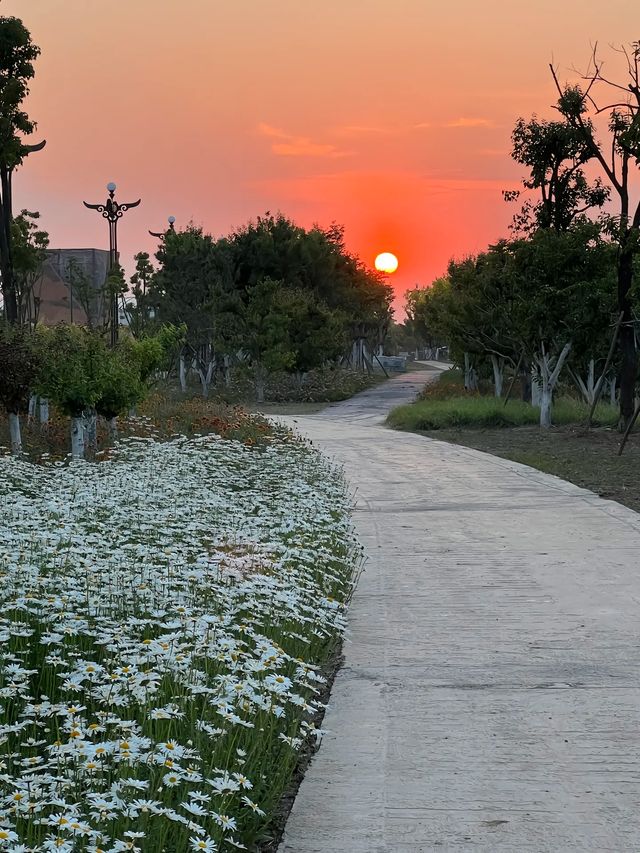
71, 285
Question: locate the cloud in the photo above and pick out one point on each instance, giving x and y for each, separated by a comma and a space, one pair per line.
469, 122
288, 145
351, 130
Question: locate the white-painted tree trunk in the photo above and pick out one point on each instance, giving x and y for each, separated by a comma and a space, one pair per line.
44, 411
183, 373
259, 374
90, 423
206, 375
535, 387
587, 386
546, 401
549, 368
14, 433
226, 370
112, 423
498, 374
33, 405
77, 438
470, 375
612, 391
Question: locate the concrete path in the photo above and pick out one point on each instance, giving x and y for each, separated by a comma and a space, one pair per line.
490, 697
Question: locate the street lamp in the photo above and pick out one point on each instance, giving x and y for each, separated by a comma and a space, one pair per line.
112, 211
162, 234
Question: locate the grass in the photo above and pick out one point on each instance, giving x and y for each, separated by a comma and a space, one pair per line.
488, 413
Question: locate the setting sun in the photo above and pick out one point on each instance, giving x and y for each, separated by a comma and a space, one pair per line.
386, 262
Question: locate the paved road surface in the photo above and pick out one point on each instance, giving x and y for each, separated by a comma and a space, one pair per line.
490, 696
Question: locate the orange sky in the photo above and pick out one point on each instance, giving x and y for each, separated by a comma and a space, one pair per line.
392, 117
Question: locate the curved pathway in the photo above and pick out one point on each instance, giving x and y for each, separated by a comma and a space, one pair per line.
490, 696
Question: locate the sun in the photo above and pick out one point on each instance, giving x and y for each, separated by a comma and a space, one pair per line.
386, 262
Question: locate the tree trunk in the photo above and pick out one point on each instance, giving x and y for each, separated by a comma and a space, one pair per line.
526, 381
112, 423
90, 422
498, 374
629, 358
259, 380
44, 412
77, 438
535, 382
205, 375
33, 403
183, 373
549, 369
546, 400
14, 432
587, 386
612, 390
470, 375
6, 264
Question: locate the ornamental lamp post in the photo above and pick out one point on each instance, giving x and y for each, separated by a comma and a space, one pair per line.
162, 234
112, 211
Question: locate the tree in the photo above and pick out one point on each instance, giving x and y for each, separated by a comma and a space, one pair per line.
553, 275
73, 375
141, 312
616, 156
314, 261
17, 55
121, 384
20, 363
555, 153
316, 333
266, 330
190, 286
29, 245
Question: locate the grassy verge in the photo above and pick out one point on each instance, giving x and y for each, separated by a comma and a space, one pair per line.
489, 412
587, 458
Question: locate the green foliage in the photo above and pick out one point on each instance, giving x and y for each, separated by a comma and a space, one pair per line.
402, 337
554, 152
194, 275
28, 245
523, 295
121, 384
267, 325
20, 363
17, 55
217, 288
141, 312
74, 370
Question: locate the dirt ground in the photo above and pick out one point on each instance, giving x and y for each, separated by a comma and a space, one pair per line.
587, 458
